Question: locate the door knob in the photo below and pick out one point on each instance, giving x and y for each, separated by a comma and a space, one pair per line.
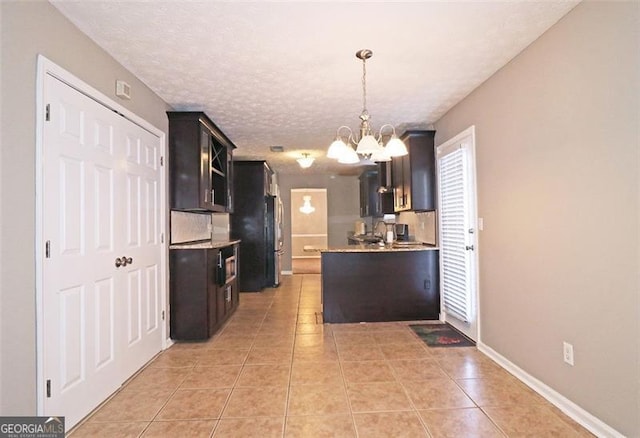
129, 260
118, 262
469, 248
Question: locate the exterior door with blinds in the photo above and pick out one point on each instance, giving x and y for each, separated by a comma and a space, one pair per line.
458, 233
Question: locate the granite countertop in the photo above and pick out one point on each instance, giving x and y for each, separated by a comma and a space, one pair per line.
206, 244
400, 247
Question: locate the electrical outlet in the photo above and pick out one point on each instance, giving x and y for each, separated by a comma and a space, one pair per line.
567, 350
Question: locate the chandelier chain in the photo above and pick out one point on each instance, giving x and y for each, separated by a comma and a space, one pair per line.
364, 86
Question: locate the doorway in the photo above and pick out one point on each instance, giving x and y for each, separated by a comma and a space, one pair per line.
101, 257
309, 229
458, 231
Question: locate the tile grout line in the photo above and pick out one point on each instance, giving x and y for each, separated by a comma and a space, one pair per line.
242, 365
295, 336
477, 406
413, 406
345, 385
486, 414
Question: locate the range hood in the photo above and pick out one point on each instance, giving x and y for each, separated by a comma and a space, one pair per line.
384, 177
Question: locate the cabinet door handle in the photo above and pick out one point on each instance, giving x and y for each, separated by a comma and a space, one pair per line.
469, 247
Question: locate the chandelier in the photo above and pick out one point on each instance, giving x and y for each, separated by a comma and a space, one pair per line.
369, 146
306, 161
307, 208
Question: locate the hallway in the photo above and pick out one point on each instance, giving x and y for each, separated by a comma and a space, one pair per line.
275, 371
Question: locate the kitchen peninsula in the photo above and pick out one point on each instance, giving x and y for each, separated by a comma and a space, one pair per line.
372, 283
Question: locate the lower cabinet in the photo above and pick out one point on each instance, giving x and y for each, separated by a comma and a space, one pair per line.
203, 291
380, 286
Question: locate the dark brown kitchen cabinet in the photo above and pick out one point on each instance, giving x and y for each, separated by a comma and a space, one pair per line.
380, 286
199, 163
413, 175
228, 293
253, 224
203, 291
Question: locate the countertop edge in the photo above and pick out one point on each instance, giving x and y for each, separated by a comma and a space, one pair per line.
369, 249
204, 245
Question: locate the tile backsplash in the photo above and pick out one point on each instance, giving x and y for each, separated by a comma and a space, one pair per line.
189, 227
220, 227
422, 225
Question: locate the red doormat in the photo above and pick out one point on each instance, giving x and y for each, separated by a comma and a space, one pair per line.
441, 335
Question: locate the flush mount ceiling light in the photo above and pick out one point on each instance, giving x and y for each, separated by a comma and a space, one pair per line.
369, 146
306, 161
307, 208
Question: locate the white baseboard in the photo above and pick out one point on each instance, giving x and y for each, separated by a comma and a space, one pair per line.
286, 272
584, 418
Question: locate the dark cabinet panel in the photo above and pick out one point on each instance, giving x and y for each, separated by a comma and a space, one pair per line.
369, 197
192, 287
199, 163
372, 202
252, 223
413, 175
197, 288
380, 286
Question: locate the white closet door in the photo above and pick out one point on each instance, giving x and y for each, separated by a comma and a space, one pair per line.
100, 202
139, 208
456, 183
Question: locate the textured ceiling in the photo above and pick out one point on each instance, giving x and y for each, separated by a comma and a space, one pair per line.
286, 73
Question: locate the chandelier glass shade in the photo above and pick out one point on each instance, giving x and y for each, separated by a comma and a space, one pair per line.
306, 161
347, 150
306, 207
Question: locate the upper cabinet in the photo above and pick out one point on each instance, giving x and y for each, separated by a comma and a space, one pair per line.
199, 163
413, 175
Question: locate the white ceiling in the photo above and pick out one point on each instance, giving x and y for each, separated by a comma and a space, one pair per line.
286, 74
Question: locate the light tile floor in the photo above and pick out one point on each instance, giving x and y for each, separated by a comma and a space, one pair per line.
276, 371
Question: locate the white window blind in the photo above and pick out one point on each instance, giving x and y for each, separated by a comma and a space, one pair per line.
454, 215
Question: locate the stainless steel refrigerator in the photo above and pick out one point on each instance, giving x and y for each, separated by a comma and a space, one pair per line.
274, 246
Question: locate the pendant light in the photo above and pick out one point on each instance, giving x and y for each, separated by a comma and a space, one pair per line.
306, 161
346, 149
307, 208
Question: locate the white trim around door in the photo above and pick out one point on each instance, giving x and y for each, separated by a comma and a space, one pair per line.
140, 282
458, 233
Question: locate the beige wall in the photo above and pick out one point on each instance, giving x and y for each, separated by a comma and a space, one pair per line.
30, 28
343, 209
557, 160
